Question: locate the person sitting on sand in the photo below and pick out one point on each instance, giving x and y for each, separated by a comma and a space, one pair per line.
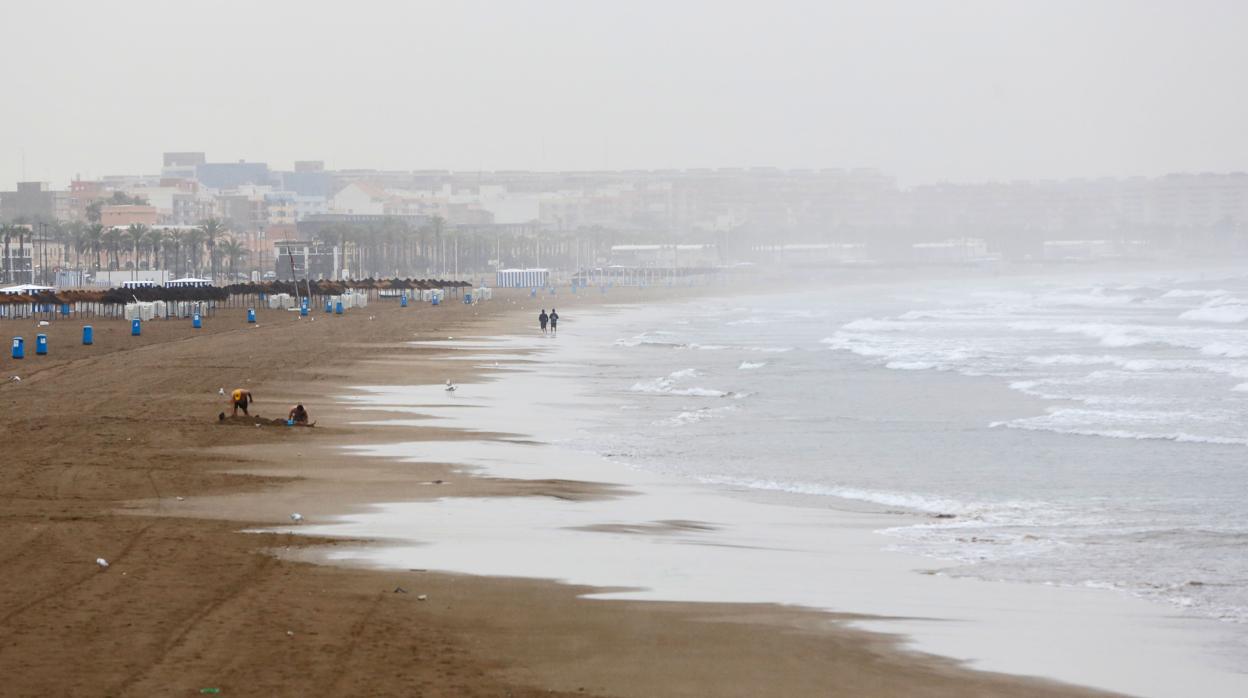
297, 415
241, 397
543, 319
554, 321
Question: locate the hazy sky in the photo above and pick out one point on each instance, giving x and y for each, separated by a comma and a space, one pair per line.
966, 90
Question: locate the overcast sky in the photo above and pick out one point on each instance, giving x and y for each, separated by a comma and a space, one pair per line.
965, 90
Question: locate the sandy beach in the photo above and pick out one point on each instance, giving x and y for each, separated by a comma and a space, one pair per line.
115, 451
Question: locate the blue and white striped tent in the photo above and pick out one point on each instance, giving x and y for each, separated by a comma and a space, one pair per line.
521, 278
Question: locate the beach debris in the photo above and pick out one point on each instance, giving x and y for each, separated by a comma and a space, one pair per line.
439, 482
15, 379
296, 517
422, 597
181, 499
290, 633
212, 689
44, 323
400, 590
102, 563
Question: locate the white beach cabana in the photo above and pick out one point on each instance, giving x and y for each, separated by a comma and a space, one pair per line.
188, 282
26, 289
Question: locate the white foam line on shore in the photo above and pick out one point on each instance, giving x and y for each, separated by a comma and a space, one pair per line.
753, 552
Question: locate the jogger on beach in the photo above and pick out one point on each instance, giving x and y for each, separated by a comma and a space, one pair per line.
554, 321
542, 320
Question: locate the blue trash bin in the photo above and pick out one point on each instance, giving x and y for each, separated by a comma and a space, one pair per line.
64, 309
197, 321
533, 293
329, 306
467, 299
403, 301
19, 348
251, 315
88, 335
303, 310
136, 327
41, 344
436, 300
338, 308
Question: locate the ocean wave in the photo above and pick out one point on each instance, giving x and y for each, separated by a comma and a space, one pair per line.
667, 386
911, 365
1227, 314
902, 500
1073, 360
665, 344
1195, 293
1178, 436
750, 365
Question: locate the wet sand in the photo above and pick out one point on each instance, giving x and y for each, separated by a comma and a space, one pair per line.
115, 451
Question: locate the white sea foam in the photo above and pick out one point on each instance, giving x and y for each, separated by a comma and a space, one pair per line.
1035, 424
1229, 313
750, 365
1074, 359
911, 365
902, 500
667, 386
1194, 293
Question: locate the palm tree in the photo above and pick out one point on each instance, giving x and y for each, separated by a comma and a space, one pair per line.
112, 240
194, 240
212, 230
233, 252
439, 224
95, 241
135, 235
175, 240
155, 241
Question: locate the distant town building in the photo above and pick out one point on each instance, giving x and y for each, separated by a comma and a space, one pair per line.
667, 256
16, 263
232, 175
302, 259
30, 202
122, 215
955, 251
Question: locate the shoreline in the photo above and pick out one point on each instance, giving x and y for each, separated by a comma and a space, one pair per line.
894, 598
808, 651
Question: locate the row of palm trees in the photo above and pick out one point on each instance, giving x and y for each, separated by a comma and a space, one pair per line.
389, 248
206, 248
393, 248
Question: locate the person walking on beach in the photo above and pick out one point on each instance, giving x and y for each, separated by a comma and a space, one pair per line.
543, 319
554, 321
241, 397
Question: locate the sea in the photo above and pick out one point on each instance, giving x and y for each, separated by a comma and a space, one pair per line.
1085, 428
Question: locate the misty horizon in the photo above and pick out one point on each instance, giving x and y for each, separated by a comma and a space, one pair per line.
926, 93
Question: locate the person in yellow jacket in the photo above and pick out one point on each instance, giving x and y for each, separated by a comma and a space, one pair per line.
241, 397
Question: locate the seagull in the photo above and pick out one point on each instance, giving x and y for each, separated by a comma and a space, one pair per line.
102, 563
449, 386
220, 391
16, 379
296, 517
